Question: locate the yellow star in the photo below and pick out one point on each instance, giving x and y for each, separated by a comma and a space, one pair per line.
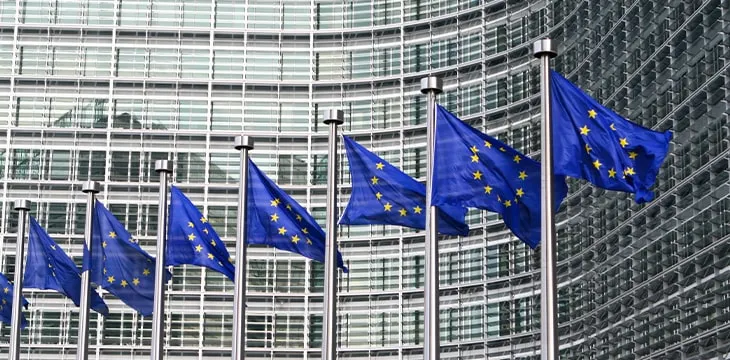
520, 192
288, 207
274, 217
378, 195
403, 212
592, 113
274, 202
305, 231
517, 159
212, 243
474, 149
488, 144
190, 224
523, 175
5, 302
584, 130
203, 220
613, 127
191, 237
379, 166
588, 148
53, 247
309, 242
103, 244
475, 158
623, 142
629, 171
477, 175
487, 189
502, 149
299, 217
611, 173
597, 164
295, 239
387, 206
205, 231
146, 272
210, 256
110, 279
135, 281
124, 283
282, 230
6, 290
632, 155
417, 209
112, 234
507, 203
198, 248
104, 271
374, 180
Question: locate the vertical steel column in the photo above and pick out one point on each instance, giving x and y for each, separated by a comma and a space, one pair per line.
244, 144
164, 168
431, 86
90, 188
333, 118
544, 50
22, 207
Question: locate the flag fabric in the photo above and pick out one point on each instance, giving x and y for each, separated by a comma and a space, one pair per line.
276, 220
6, 303
473, 169
191, 239
383, 194
594, 143
119, 264
48, 267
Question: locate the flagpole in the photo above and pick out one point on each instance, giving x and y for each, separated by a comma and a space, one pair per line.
333, 118
544, 49
91, 188
431, 86
244, 144
22, 207
163, 168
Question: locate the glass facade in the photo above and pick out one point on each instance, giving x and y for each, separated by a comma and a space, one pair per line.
100, 89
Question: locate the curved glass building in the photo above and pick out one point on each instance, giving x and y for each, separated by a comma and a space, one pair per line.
100, 89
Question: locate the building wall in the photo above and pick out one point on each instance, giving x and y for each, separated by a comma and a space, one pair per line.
100, 89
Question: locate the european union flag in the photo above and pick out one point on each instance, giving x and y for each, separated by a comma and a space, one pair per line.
119, 264
592, 142
473, 169
382, 194
191, 239
48, 267
276, 220
6, 303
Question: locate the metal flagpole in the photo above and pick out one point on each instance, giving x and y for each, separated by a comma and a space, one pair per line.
431, 86
244, 144
544, 49
22, 207
91, 188
333, 118
162, 167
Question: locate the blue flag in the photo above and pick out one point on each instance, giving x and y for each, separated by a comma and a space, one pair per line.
6, 303
191, 239
592, 142
48, 267
382, 194
473, 169
276, 220
119, 264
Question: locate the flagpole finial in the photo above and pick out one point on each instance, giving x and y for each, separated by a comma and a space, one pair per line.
544, 46
243, 142
432, 83
163, 165
90, 187
335, 116
22, 205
